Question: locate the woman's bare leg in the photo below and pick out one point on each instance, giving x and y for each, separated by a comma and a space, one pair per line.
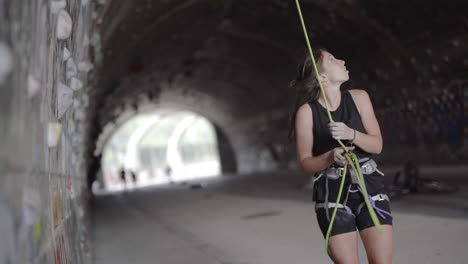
379, 247
344, 248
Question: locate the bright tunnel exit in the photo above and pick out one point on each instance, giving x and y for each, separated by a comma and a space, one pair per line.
152, 149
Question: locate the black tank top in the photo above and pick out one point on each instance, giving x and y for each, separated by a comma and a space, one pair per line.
347, 113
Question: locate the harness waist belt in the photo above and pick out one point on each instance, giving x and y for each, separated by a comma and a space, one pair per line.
367, 167
378, 197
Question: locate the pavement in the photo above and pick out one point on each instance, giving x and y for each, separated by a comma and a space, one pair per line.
264, 218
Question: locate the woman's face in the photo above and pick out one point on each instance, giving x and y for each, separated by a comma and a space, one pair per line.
333, 70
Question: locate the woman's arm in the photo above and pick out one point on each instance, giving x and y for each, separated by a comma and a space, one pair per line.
304, 143
372, 141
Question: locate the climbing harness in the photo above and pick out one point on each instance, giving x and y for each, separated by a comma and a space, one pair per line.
351, 157
378, 197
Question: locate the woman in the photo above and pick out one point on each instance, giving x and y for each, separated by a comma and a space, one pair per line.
319, 152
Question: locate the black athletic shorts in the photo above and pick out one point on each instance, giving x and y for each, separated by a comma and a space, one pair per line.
345, 222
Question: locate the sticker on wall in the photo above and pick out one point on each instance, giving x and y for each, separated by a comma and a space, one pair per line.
6, 61
54, 209
61, 205
54, 131
64, 99
61, 252
64, 25
37, 229
57, 207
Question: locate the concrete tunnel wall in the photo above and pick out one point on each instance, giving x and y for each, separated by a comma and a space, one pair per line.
229, 61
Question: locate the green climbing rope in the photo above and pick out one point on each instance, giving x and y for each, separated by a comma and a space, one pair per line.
351, 157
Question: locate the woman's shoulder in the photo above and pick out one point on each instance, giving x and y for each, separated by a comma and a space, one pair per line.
305, 108
304, 114
358, 94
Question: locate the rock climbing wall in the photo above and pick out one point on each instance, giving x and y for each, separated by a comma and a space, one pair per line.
43, 67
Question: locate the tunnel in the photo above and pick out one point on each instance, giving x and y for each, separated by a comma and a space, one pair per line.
72, 72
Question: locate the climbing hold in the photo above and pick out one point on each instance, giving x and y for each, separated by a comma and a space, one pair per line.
66, 54
64, 99
76, 84
33, 86
71, 68
85, 66
64, 25
54, 131
6, 61
57, 5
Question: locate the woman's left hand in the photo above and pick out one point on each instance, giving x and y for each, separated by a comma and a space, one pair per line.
340, 130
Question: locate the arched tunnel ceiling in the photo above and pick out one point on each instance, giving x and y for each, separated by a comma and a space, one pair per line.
244, 52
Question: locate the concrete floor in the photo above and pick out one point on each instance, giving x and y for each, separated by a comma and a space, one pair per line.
259, 220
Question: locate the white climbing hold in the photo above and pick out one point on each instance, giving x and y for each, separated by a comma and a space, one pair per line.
86, 41
96, 39
66, 54
57, 5
54, 131
76, 84
6, 61
64, 25
96, 43
64, 99
71, 68
79, 114
85, 100
33, 86
76, 103
85, 66
71, 126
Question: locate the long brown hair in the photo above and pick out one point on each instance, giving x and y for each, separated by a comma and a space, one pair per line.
306, 87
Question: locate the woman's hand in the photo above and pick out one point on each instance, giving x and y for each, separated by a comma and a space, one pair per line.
338, 155
340, 130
